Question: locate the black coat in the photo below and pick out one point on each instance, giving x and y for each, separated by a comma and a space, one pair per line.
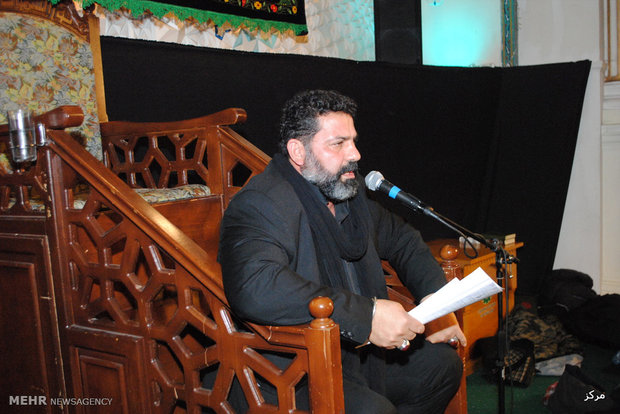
270, 269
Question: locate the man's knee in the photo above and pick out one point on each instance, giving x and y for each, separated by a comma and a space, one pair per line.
438, 368
434, 377
451, 366
361, 399
448, 383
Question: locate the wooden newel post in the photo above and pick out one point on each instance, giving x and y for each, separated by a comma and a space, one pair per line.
451, 268
324, 365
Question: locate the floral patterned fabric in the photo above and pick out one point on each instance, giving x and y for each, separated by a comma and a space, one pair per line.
184, 192
151, 195
43, 66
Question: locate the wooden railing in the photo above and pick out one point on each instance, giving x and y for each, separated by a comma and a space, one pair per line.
140, 307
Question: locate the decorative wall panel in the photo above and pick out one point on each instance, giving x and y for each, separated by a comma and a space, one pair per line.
341, 29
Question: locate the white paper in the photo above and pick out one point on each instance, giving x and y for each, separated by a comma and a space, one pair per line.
455, 295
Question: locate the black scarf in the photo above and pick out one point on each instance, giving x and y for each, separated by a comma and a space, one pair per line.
333, 242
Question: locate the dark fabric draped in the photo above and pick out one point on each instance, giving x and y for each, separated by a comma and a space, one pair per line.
489, 148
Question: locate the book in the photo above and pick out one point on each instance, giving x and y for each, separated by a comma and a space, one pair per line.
503, 238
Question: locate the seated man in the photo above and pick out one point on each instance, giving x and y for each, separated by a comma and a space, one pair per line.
305, 228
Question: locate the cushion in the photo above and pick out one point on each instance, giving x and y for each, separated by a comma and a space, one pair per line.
151, 195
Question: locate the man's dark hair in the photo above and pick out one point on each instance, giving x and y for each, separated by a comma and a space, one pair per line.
300, 114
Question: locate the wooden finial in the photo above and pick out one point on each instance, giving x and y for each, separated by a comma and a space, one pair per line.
451, 268
449, 252
321, 309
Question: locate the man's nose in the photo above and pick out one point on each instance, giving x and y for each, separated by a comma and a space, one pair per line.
352, 152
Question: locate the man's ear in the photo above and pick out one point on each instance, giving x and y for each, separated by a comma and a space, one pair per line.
296, 151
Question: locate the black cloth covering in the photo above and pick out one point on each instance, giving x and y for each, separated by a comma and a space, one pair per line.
489, 148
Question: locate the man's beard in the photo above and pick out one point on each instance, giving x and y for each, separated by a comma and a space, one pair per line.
330, 184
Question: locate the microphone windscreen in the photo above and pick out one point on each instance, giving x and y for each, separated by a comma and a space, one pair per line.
373, 180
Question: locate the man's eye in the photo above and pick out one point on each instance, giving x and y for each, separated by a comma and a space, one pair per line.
336, 144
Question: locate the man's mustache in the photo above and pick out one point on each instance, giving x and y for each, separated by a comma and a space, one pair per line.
350, 166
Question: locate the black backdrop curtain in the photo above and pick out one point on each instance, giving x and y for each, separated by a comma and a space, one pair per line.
490, 148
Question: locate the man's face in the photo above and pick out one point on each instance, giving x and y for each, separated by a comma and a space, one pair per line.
331, 157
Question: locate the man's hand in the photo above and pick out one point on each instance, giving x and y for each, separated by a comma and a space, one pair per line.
446, 334
445, 329
392, 324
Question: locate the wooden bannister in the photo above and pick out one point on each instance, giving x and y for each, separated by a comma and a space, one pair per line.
128, 300
141, 310
137, 295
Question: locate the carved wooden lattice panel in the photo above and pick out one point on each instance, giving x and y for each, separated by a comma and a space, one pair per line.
237, 169
23, 189
159, 160
121, 281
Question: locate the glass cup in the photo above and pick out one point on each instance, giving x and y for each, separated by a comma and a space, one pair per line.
22, 136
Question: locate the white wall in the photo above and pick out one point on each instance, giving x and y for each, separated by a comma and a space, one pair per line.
610, 282
559, 31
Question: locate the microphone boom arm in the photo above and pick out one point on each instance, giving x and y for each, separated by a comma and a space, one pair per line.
375, 181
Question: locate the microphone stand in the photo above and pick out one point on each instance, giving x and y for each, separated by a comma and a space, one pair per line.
502, 259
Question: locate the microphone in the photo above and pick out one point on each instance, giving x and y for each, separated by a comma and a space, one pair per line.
375, 181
